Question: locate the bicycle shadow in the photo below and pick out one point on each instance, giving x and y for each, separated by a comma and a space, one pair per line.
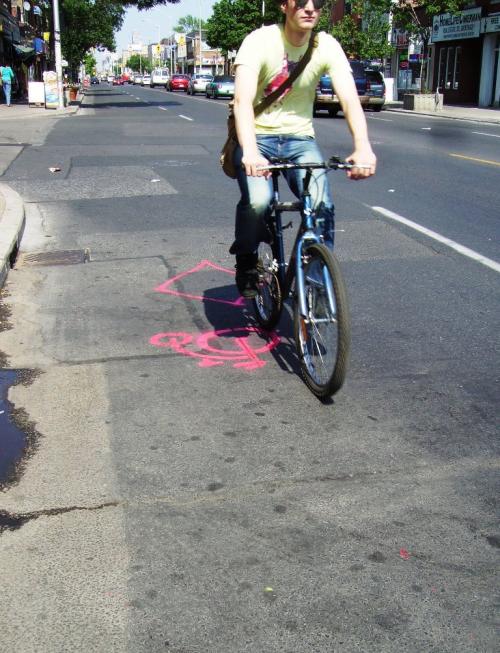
226, 311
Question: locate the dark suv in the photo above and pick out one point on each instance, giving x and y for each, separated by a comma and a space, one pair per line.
375, 89
369, 84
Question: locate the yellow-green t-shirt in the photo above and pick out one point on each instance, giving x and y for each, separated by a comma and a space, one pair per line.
267, 51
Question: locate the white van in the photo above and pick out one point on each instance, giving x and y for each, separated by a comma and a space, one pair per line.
160, 77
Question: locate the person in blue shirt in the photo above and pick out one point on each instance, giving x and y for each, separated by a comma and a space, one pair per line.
7, 75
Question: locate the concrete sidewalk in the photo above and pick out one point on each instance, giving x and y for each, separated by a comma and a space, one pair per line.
20, 111
474, 114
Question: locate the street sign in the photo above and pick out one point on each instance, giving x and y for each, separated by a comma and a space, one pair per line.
181, 49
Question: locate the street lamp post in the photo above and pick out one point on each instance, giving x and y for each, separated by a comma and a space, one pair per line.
57, 53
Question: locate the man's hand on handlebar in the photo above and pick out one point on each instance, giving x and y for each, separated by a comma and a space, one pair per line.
252, 162
363, 156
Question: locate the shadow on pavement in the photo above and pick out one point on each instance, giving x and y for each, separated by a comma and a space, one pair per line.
119, 100
224, 316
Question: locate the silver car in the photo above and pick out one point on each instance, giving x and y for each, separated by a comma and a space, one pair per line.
220, 86
198, 83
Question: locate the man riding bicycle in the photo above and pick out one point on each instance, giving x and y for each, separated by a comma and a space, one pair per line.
266, 57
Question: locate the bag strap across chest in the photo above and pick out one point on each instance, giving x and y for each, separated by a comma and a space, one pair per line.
272, 97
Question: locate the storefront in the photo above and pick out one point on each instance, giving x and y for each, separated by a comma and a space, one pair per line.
489, 89
457, 55
407, 64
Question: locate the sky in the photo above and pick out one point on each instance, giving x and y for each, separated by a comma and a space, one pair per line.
164, 18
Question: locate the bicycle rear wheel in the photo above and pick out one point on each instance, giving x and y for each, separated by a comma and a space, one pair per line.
323, 337
268, 302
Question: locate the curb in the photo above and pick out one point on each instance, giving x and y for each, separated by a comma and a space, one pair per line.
12, 222
442, 114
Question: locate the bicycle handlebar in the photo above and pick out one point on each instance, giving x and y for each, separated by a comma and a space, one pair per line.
332, 164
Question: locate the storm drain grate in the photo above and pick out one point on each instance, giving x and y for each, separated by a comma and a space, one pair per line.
59, 257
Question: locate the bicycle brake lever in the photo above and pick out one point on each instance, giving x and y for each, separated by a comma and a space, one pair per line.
334, 160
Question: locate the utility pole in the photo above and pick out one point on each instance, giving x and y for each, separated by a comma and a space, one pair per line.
199, 70
57, 52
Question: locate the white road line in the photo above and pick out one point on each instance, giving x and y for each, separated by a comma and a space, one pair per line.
185, 117
381, 119
163, 108
461, 249
485, 134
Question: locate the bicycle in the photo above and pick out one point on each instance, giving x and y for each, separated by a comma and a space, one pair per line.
322, 330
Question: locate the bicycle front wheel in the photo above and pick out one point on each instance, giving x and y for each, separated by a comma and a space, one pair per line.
322, 337
268, 302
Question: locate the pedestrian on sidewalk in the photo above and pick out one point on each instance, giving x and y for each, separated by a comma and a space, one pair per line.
7, 75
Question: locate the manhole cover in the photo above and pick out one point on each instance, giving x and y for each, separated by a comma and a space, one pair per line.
59, 257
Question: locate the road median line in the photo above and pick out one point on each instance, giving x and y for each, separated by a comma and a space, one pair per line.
472, 158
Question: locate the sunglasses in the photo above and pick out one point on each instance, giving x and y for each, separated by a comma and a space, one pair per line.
318, 4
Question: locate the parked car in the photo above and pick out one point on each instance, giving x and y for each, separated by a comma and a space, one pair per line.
178, 83
138, 78
375, 89
146, 79
325, 96
94, 80
198, 83
159, 77
220, 86
118, 81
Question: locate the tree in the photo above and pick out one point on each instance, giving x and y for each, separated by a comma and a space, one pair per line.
140, 64
88, 24
189, 24
232, 20
89, 61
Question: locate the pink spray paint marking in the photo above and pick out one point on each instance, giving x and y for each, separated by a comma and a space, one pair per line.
166, 286
403, 553
244, 356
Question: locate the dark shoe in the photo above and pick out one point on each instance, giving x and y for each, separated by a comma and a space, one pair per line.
247, 275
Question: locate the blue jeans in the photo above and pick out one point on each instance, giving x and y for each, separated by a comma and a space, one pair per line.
6, 89
256, 192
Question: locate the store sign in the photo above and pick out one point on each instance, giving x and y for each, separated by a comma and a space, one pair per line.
451, 27
491, 24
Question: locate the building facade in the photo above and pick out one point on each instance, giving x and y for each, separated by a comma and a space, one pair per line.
466, 55
25, 40
461, 58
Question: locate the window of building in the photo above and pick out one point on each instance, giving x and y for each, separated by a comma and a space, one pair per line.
449, 68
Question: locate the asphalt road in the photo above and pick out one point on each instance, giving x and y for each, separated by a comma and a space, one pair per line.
187, 493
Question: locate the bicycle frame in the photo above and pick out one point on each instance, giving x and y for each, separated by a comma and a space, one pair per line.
306, 234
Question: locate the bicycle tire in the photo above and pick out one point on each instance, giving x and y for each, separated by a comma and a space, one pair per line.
323, 371
268, 303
